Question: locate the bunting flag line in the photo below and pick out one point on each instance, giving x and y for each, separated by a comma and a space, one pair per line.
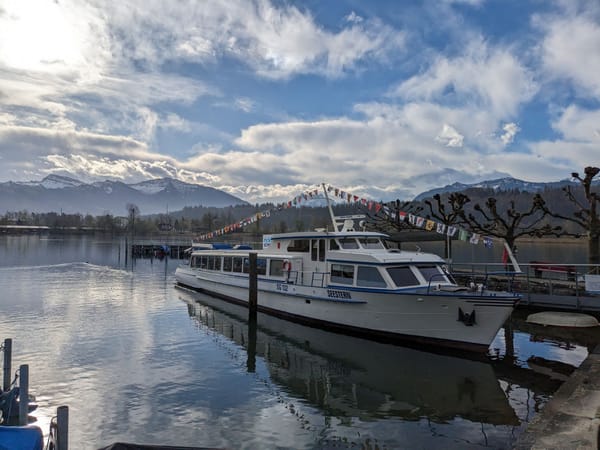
401, 216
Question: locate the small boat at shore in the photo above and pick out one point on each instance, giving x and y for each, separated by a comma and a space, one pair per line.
349, 281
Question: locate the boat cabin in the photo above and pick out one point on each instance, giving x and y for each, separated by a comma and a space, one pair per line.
358, 260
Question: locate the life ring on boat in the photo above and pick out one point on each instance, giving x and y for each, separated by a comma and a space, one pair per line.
287, 265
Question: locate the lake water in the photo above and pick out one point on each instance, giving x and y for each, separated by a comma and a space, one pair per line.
138, 360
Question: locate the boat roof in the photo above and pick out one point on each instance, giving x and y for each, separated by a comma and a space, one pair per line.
324, 234
384, 256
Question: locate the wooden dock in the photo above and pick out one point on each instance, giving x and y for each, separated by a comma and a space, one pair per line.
563, 291
15, 423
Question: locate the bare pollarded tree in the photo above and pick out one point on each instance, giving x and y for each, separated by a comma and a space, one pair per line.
451, 216
510, 223
587, 211
389, 218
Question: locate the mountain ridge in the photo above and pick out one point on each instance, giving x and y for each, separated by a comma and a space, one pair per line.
60, 193
498, 185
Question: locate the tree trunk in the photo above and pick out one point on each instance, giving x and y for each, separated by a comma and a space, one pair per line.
594, 251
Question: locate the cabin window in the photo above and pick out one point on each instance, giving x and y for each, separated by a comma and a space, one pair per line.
432, 274
403, 276
333, 245
321, 249
227, 263
342, 273
211, 263
261, 266
194, 261
276, 267
348, 243
217, 263
369, 276
371, 243
237, 264
318, 250
299, 245
203, 261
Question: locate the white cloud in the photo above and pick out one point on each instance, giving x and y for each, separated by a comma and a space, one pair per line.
353, 18
245, 104
175, 122
465, 2
450, 137
510, 131
559, 158
391, 147
99, 67
277, 41
571, 50
484, 77
53, 38
579, 124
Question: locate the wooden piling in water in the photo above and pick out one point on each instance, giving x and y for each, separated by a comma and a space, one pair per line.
7, 364
23, 394
251, 350
252, 286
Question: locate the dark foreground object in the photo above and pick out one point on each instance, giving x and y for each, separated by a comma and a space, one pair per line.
571, 419
125, 446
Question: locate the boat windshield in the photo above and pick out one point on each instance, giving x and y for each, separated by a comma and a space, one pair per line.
348, 243
372, 243
433, 273
403, 276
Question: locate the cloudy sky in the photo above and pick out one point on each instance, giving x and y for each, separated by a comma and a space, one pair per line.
266, 98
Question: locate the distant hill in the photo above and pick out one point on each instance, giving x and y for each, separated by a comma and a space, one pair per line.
498, 185
58, 193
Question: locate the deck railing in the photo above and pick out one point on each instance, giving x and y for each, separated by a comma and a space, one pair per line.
536, 279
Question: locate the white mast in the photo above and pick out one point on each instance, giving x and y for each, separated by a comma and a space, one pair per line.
335, 228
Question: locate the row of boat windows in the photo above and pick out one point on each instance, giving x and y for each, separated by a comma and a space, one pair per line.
366, 276
238, 264
319, 245
370, 276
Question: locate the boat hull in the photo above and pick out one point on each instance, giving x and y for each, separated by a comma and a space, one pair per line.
427, 318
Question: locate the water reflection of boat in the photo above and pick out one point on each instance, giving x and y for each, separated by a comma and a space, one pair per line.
352, 377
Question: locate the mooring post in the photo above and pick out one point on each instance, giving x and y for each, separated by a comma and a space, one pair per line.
252, 287
23, 394
62, 424
7, 364
251, 351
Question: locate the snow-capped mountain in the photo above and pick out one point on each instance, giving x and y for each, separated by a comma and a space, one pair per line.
58, 193
161, 184
53, 182
498, 185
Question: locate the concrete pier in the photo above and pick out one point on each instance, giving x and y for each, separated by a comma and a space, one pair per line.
571, 419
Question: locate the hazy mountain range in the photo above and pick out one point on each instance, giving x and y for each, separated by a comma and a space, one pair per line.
58, 193
498, 185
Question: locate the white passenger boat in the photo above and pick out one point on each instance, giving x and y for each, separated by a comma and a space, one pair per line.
348, 281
